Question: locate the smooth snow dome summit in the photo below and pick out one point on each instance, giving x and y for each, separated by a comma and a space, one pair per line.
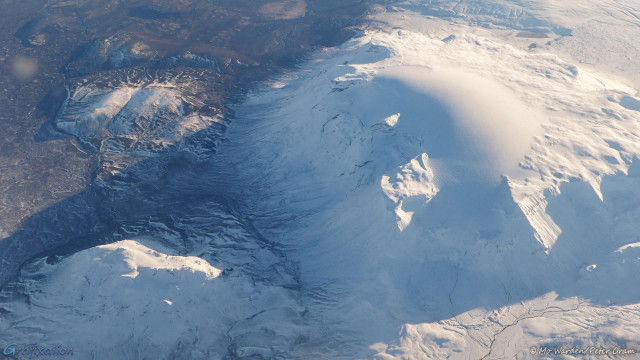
459, 180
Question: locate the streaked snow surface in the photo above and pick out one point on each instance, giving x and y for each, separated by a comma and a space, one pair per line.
445, 189
134, 118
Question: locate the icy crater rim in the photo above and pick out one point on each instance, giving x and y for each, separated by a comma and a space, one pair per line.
499, 126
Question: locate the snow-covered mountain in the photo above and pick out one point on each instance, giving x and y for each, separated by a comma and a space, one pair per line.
459, 181
454, 182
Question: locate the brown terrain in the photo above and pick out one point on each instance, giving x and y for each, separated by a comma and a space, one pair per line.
45, 44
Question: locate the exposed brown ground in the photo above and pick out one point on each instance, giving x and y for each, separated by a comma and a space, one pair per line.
33, 175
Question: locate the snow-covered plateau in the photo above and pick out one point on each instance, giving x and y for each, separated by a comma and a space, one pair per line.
461, 181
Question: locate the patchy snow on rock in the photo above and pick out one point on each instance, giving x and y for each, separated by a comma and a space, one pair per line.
136, 119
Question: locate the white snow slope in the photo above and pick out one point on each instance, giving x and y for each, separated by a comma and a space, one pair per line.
461, 182
453, 191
